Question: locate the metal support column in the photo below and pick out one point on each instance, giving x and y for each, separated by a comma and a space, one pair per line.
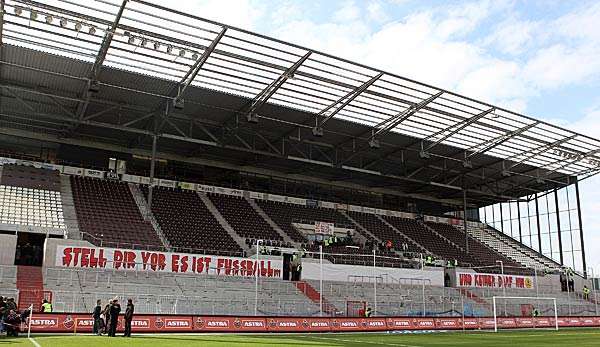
580, 230
537, 217
501, 220
465, 220
519, 218
152, 168
560, 246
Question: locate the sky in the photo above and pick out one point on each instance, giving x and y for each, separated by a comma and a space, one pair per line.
541, 58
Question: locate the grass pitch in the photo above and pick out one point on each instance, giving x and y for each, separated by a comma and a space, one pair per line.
524, 338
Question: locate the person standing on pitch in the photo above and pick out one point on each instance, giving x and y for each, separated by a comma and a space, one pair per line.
128, 318
97, 320
115, 309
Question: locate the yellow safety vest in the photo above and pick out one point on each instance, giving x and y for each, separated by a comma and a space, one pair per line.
47, 307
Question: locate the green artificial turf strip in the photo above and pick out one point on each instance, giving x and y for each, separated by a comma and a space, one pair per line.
524, 338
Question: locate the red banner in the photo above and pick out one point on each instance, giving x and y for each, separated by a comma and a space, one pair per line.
65, 323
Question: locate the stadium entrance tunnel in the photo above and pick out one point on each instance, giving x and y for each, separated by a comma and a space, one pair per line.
30, 249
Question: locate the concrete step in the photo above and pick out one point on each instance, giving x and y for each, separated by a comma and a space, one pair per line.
69, 212
224, 223
265, 216
146, 212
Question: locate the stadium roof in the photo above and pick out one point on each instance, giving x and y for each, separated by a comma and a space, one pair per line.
119, 72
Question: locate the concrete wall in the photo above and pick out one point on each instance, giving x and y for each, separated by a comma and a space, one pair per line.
8, 246
50, 248
338, 272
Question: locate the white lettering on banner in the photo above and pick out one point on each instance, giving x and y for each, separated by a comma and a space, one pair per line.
70, 170
218, 323
94, 173
137, 260
327, 204
205, 188
187, 185
46, 322
167, 183
479, 280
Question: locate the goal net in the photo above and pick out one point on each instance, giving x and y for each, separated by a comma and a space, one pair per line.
355, 308
543, 310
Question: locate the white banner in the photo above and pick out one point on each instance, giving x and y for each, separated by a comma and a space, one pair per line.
324, 228
274, 197
152, 261
327, 204
70, 170
167, 183
131, 178
94, 173
483, 280
256, 195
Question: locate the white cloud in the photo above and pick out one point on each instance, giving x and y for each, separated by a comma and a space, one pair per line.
513, 36
240, 13
348, 12
376, 12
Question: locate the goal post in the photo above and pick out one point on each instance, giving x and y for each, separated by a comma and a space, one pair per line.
527, 302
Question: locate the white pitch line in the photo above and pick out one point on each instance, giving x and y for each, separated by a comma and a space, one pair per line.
35, 343
367, 342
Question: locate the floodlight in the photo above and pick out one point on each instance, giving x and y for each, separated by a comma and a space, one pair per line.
49, 19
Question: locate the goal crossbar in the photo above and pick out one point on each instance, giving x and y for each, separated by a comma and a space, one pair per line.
524, 298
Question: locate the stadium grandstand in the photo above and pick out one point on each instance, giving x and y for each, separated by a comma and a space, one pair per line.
213, 175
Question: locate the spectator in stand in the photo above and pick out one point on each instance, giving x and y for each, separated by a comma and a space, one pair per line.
115, 309
388, 245
128, 318
12, 323
97, 320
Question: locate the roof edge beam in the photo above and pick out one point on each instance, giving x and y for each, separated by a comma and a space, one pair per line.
272, 88
345, 100
496, 141
106, 43
538, 151
195, 69
455, 129
389, 124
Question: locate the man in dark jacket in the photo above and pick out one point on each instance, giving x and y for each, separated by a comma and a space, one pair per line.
115, 309
128, 318
12, 323
97, 320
